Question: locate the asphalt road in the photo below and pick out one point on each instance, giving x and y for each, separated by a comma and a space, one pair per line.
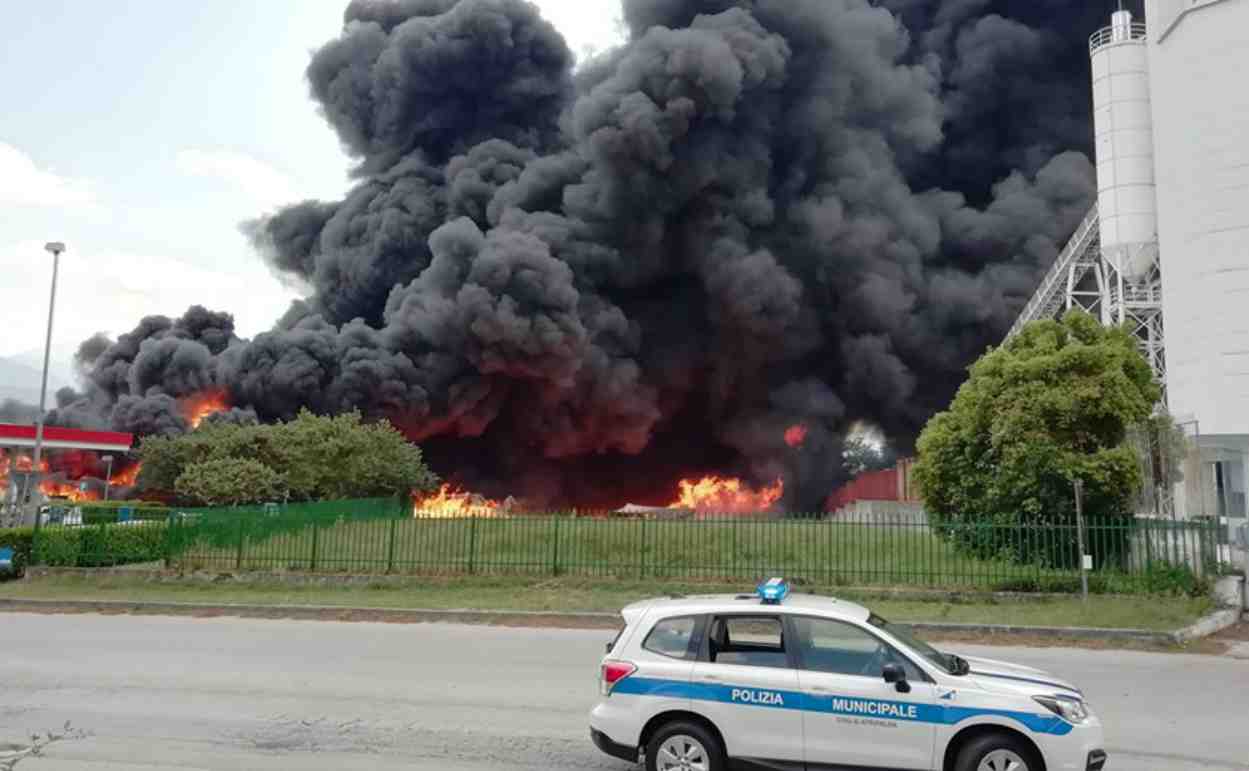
179, 693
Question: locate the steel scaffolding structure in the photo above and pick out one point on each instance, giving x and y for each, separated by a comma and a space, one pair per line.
1082, 277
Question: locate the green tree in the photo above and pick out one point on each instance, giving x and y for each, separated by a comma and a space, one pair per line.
861, 455
1051, 406
314, 458
229, 482
329, 458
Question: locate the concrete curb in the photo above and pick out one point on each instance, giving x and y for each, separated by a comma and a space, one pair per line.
1209, 625
1204, 627
318, 612
171, 576
1062, 632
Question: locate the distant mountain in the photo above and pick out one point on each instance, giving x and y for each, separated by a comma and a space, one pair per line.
19, 380
60, 370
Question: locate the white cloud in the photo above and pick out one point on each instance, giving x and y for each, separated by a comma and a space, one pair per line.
22, 182
109, 290
266, 185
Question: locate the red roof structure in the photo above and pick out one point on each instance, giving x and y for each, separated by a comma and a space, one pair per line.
55, 438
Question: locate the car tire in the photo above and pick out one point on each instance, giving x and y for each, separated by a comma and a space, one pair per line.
997, 752
691, 740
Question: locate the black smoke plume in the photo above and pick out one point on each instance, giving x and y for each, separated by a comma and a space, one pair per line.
579, 287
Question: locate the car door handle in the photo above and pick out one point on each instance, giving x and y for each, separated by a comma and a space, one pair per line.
710, 678
820, 690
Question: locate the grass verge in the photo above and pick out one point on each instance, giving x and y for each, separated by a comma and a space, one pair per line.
580, 595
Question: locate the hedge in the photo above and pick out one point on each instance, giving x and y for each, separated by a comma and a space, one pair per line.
106, 512
103, 545
19, 539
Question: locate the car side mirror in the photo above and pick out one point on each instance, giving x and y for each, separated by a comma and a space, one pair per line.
894, 673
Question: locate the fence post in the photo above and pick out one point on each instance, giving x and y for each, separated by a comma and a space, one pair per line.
312, 563
1084, 559
238, 560
555, 548
472, 544
34, 538
171, 538
390, 546
642, 550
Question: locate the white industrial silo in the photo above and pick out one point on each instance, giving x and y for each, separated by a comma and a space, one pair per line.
1123, 126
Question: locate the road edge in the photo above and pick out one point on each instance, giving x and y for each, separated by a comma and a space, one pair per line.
1204, 627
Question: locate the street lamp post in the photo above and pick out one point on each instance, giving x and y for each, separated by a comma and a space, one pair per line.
108, 475
55, 247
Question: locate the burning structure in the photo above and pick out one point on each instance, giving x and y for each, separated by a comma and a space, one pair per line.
706, 253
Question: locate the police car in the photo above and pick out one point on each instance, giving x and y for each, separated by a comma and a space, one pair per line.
774, 680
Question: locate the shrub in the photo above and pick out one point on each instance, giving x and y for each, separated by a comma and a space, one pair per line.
20, 540
102, 545
107, 512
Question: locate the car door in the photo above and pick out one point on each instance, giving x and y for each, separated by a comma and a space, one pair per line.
745, 683
851, 716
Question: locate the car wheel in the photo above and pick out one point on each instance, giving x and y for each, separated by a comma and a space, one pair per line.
684, 747
997, 752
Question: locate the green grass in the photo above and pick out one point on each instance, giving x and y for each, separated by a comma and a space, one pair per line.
496, 594
834, 554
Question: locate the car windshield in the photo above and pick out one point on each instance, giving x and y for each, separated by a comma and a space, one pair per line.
947, 661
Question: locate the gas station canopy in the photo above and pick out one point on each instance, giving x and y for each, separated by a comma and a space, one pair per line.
55, 438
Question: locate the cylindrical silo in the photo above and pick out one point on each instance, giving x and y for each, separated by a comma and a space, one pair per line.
1123, 127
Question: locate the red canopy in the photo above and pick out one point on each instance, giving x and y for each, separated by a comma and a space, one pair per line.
55, 438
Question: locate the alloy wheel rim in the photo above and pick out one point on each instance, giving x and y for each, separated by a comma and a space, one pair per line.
1002, 760
682, 753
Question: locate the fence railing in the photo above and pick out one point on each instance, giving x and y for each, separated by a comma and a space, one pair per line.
382, 537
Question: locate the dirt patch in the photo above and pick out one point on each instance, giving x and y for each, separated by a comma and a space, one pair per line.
1236, 633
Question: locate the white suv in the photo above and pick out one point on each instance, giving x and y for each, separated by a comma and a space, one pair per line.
769, 681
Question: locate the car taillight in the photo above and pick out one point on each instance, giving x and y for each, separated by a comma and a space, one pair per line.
614, 672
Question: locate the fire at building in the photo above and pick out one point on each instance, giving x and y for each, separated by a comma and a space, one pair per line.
75, 467
676, 276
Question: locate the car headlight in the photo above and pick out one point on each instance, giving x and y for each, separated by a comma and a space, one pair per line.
1067, 708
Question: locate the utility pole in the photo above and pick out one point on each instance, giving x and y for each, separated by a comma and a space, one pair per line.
1084, 558
108, 475
55, 247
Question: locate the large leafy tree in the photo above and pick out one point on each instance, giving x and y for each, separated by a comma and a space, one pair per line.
1051, 406
310, 458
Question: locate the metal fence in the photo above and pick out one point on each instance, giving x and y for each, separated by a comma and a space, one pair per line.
383, 537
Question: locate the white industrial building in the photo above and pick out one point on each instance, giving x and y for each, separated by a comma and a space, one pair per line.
1166, 249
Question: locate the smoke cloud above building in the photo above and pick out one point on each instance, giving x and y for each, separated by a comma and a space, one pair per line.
580, 286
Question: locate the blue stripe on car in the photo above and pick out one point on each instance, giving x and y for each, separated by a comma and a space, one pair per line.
767, 698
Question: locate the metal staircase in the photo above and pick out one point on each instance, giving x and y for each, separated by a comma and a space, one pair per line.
1082, 277
1066, 285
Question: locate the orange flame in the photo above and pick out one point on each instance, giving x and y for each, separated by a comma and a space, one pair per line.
726, 495
54, 489
126, 478
198, 406
795, 435
449, 502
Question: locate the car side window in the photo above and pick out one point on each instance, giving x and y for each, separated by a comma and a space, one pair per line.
839, 648
671, 637
755, 641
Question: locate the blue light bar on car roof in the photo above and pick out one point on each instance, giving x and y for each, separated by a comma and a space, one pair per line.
773, 591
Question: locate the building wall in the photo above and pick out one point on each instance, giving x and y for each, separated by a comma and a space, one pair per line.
1199, 62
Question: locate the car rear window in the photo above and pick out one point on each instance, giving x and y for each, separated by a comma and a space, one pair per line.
671, 637
756, 641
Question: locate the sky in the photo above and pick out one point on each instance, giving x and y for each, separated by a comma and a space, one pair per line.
142, 132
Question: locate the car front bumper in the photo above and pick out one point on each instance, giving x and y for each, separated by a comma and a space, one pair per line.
1083, 749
